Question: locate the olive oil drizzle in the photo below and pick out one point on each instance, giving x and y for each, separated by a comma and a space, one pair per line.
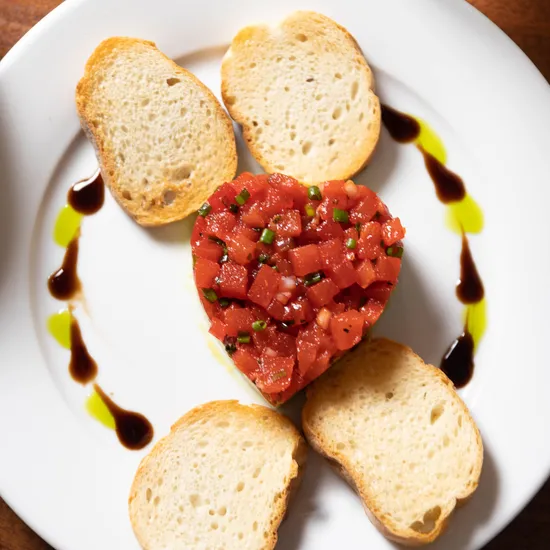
85, 198
464, 216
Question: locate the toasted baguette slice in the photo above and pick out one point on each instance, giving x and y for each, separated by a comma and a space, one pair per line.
221, 479
400, 435
303, 94
163, 140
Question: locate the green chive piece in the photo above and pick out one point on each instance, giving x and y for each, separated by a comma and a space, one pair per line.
259, 325
216, 240
204, 210
263, 258
210, 294
224, 302
267, 236
275, 268
314, 193
395, 251
242, 197
351, 244
310, 211
313, 278
233, 208
339, 215
243, 338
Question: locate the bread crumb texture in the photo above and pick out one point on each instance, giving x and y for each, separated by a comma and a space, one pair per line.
163, 140
220, 480
304, 95
400, 433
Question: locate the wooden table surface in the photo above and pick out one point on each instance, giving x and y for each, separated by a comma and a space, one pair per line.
527, 22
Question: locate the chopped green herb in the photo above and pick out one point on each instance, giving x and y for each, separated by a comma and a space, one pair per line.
275, 268
279, 375
339, 215
259, 325
395, 251
224, 302
263, 258
267, 236
277, 218
204, 210
314, 193
210, 294
313, 278
233, 208
216, 240
351, 244
310, 211
242, 197
358, 227
243, 338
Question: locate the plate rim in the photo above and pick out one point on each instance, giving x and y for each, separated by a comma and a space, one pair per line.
49, 21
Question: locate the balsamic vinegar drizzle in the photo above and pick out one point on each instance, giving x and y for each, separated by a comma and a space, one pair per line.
458, 361
449, 187
402, 128
469, 289
64, 283
82, 366
87, 196
133, 430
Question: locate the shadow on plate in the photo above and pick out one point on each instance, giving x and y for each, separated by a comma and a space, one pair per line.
305, 506
176, 233
383, 161
199, 57
7, 209
413, 317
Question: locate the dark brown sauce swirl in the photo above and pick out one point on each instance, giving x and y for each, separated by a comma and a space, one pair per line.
449, 187
469, 289
133, 430
82, 366
402, 127
64, 283
87, 196
458, 361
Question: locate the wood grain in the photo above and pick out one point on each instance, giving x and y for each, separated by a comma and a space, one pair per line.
527, 22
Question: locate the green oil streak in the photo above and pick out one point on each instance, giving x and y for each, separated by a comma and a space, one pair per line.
475, 318
465, 215
430, 141
97, 409
66, 225
59, 326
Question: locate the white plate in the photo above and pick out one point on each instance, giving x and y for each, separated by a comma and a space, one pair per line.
66, 475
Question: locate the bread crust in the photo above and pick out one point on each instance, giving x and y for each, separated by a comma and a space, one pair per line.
186, 201
361, 158
344, 467
257, 414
